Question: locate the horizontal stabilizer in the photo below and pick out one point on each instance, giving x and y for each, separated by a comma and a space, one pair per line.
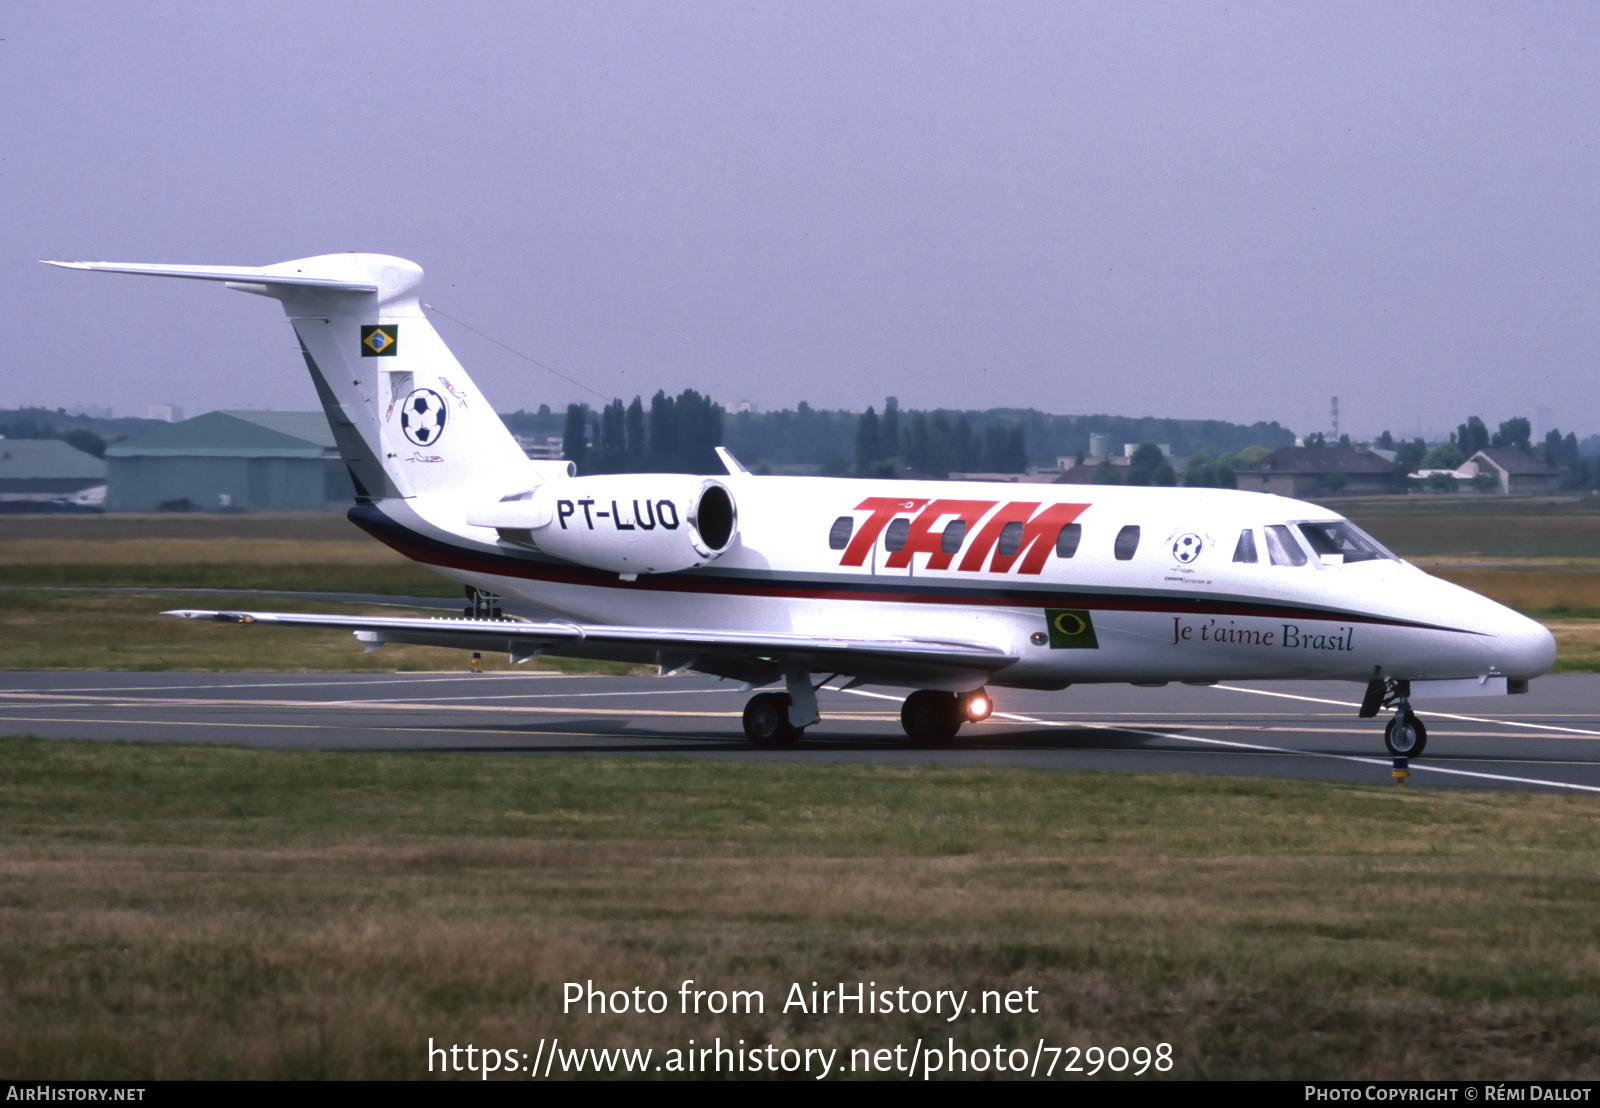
824, 652
235, 274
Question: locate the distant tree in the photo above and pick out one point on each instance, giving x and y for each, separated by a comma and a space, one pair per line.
868, 449
964, 446
663, 448
85, 440
1517, 432
1446, 455
575, 441
1472, 436
1408, 456
889, 429
635, 435
1206, 472
1314, 440
1200, 472
1385, 441
1149, 466
1441, 482
1108, 475
1344, 442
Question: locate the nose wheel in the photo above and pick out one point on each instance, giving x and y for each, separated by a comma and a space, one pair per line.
1405, 736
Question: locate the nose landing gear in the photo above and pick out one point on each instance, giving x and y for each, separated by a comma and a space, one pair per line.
1404, 736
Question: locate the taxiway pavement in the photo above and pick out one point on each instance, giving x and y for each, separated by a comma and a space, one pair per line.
1548, 739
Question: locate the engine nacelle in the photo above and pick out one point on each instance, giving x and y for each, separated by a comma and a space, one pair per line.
626, 522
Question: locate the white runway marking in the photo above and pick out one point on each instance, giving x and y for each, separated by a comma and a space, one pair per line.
1423, 766
1429, 712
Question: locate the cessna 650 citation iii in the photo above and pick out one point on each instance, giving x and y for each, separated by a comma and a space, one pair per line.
946, 589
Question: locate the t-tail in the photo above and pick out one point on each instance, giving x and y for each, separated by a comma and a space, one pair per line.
407, 418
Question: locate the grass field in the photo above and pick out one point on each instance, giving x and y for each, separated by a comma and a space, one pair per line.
201, 912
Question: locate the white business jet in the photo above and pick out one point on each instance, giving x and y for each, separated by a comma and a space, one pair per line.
944, 588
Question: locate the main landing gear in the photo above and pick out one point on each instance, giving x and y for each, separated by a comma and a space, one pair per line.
932, 717
766, 721
929, 716
1404, 736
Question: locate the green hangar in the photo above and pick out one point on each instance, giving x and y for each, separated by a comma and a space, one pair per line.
230, 461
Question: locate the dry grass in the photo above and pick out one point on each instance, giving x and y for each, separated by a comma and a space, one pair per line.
47, 629
171, 912
1534, 589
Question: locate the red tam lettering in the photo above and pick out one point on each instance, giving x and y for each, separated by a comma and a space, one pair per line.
923, 539
1038, 535
883, 509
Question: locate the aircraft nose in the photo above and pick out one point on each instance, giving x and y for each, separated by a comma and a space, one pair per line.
1523, 647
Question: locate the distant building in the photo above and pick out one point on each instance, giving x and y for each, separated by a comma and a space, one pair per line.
167, 413
1301, 471
41, 474
230, 461
1513, 470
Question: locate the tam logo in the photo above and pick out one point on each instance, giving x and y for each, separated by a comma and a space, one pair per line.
1020, 534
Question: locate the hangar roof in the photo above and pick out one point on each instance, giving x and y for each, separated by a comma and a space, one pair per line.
236, 434
36, 459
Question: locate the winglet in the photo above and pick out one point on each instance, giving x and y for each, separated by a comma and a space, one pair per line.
733, 465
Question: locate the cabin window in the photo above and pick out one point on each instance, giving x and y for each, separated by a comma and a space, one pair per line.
1067, 540
839, 533
895, 537
1343, 542
1245, 550
1282, 548
955, 533
1010, 539
1127, 542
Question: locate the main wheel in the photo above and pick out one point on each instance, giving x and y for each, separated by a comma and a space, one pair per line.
1405, 736
930, 716
766, 720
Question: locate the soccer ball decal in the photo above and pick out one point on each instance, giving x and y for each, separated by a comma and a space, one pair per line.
422, 417
1186, 548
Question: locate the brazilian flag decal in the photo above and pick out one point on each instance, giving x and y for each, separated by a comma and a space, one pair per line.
1070, 629
382, 341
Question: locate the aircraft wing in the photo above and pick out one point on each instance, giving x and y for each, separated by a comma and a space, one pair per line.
747, 655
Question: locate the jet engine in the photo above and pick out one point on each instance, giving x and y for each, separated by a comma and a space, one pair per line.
627, 523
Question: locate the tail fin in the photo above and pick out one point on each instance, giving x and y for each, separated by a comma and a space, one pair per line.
407, 418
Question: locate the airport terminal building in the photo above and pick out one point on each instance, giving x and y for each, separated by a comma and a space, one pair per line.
230, 461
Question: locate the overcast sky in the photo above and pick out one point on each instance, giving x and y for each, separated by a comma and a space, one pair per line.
1195, 210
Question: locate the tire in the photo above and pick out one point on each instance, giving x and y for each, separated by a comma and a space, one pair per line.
766, 721
1405, 736
931, 717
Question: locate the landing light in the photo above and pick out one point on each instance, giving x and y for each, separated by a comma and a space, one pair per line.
979, 706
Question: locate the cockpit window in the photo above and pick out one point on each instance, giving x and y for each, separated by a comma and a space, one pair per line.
895, 537
1067, 540
839, 533
1245, 550
1282, 548
1344, 541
